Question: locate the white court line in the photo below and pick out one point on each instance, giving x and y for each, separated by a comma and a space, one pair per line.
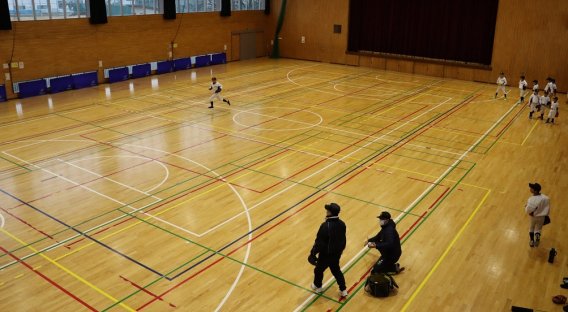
441, 177
97, 157
292, 108
71, 238
3, 221
146, 95
313, 174
246, 211
103, 195
320, 126
108, 222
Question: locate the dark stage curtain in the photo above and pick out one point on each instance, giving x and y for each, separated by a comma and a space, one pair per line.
459, 30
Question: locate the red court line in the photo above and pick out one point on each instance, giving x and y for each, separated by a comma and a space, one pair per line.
49, 280
512, 119
264, 232
398, 101
424, 214
369, 270
144, 290
26, 223
425, 181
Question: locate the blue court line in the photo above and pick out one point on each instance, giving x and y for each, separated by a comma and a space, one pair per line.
318, 191
87, 236
254, 230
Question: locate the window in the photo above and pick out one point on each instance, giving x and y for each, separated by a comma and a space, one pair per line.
242, 5
30, 10
12, 8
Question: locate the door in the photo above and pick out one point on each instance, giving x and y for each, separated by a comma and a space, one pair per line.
247, 46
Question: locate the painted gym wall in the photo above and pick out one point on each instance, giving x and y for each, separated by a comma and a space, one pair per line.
529, 39
58, 47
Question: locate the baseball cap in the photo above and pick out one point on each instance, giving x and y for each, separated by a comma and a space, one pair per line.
535, 186
501, 73
535, 80
333, 208
548, 78
385, 215
522, 77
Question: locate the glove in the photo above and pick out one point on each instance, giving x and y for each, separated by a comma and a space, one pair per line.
218, 90
313, 260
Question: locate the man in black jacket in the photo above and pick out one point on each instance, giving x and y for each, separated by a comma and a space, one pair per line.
388, 243
330, 243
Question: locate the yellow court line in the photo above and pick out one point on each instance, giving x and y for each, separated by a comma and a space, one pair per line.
177, 205
536, 123
19, 276
68, 271
1, 284
444, 254
35, 269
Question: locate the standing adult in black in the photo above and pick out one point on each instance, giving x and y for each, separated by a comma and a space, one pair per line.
387, 241
330, 243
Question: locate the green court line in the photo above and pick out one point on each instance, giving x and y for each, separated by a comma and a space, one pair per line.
209, 250
402, 243
164, 199
379, 102
410, 234
502, 133
23, 167
107, 148
377, 142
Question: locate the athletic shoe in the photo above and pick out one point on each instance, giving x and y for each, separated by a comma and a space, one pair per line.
343, 293
504, 99
547, 122
565, 280
537, 241
531, 243
565, 286
495, 96
210, 107
316, 289
229, 102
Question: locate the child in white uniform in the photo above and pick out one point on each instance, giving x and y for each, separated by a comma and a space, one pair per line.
553, 111
501, 82
533, 102
535, 85
522, 87
544, 102
216, 87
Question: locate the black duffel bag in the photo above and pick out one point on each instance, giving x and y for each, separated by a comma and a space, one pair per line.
380, 284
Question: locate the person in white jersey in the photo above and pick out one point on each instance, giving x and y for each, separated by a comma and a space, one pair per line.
522, 87
216, 87
501, 82
548, 87
535, 85
553, 111
534, 100
544, 103
553, 87
538, 207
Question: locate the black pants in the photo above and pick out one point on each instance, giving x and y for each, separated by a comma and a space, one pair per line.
330, 261
383, 266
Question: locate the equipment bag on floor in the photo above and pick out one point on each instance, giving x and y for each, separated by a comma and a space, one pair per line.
380, 284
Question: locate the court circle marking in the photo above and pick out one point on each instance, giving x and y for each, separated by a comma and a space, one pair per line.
247, 111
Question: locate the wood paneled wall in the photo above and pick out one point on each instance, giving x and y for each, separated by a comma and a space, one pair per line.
530, 39
59, 47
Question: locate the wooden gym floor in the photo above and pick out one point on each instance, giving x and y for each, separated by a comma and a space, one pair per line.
136, 196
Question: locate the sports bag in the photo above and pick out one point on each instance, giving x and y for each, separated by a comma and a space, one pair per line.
380, 284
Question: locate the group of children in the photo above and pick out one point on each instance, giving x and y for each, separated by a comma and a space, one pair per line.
536, 103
